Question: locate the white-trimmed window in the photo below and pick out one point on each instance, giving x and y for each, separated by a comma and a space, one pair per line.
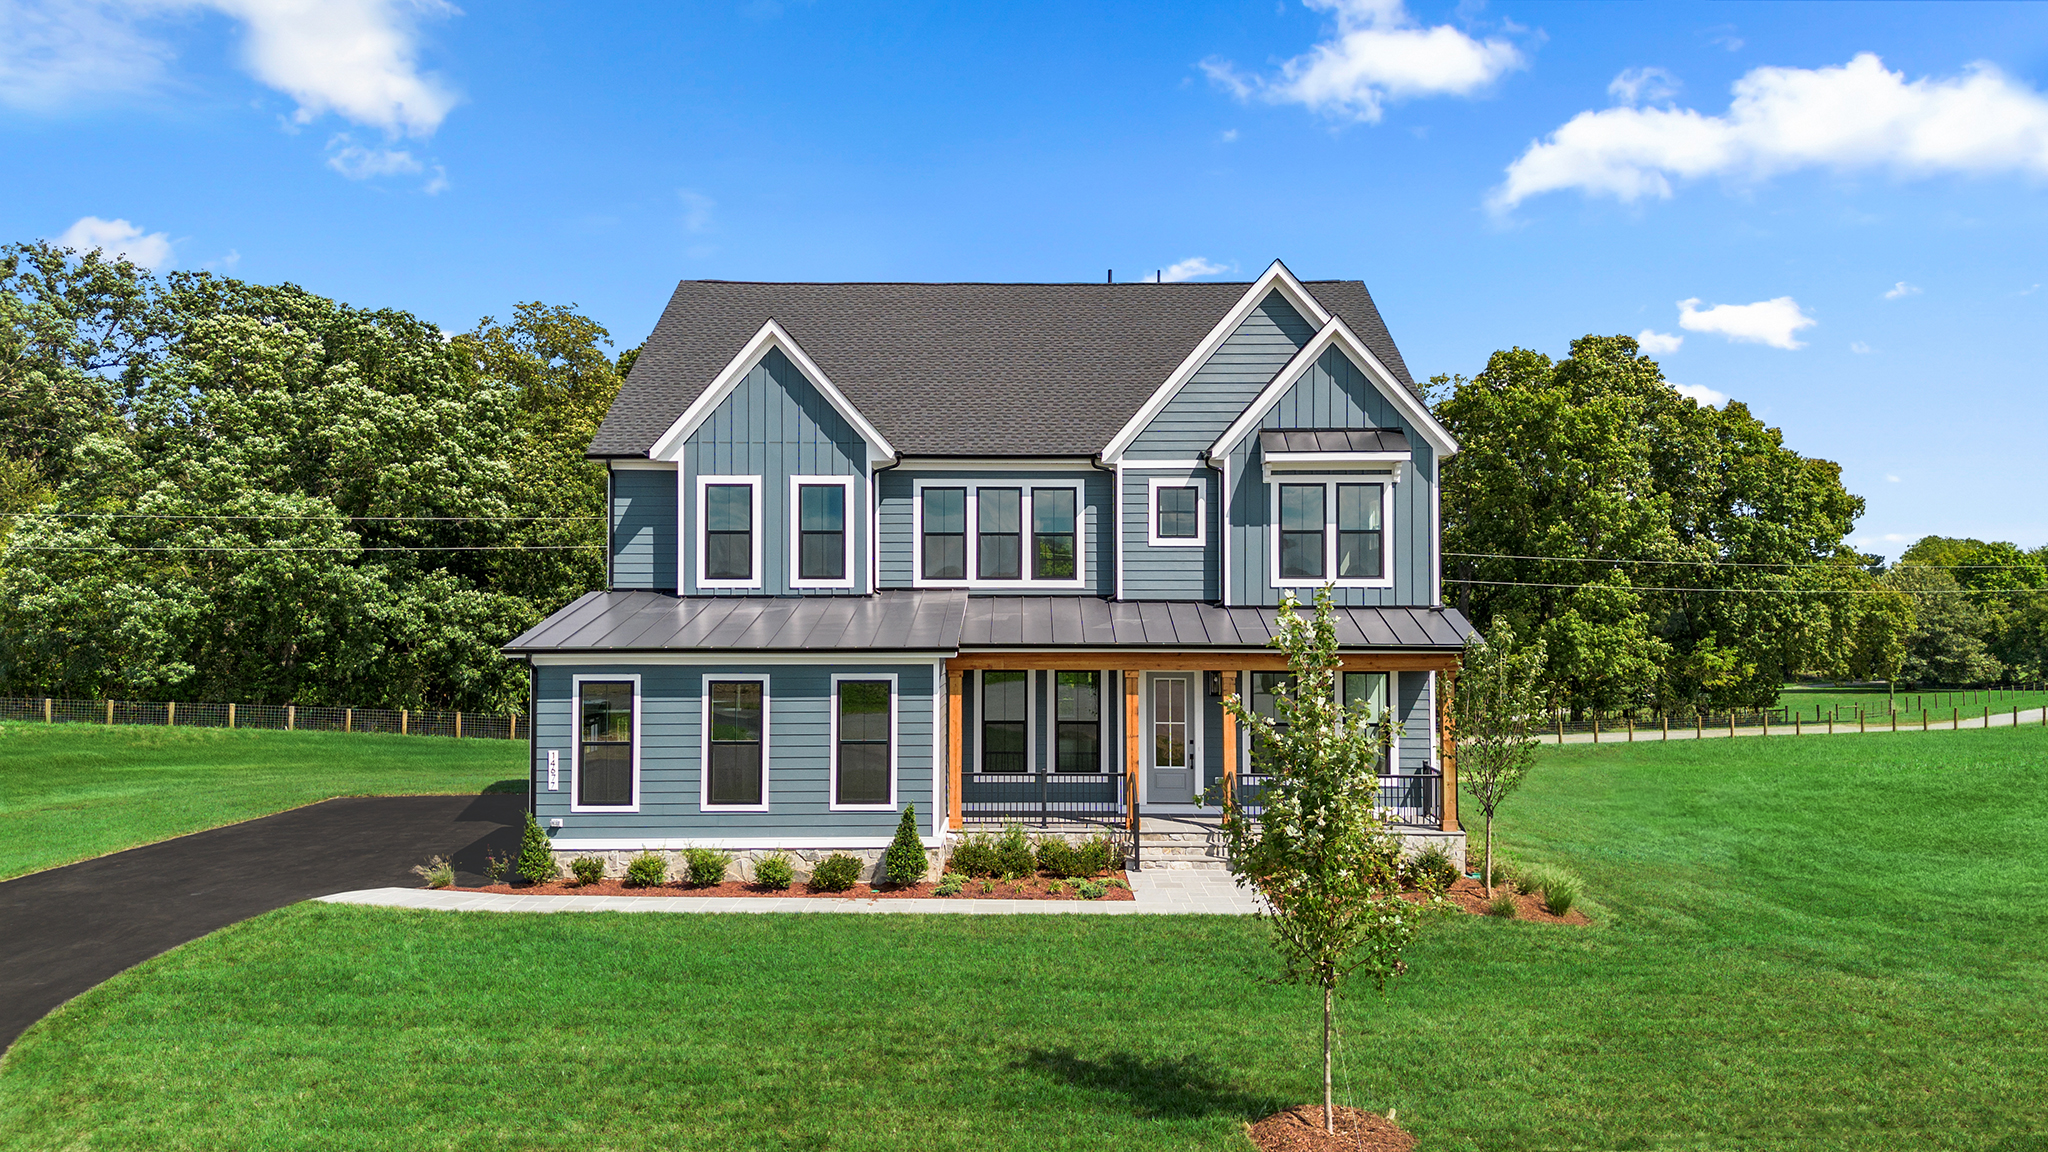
728, 531
1177, 513
1000, 534
1004, 741
1332, 530
604, 765
735, 751
864, 746
1077, 699
821, 531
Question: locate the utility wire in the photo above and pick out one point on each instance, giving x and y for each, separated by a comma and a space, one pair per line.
258, 549
1764, 591
1714, 563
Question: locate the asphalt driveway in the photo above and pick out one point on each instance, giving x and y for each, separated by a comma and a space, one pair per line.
65, 930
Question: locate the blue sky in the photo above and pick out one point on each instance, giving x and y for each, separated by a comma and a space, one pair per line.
1851, 197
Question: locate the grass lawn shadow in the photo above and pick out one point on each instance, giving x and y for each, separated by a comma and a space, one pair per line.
1152, 1087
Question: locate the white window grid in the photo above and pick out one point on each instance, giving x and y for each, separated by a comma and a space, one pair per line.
974, 579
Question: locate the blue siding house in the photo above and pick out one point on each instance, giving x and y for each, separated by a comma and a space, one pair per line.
993, 551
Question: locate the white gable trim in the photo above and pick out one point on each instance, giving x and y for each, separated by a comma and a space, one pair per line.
1337, 333
770, 337
1276, 277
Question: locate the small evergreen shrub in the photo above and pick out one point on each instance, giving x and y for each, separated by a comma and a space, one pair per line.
775, 871
706, 866
437, 872
1098, 855
836, 873
1014, 856
975, 856
1058, 859
1092, 889
905, 863
536, 857
1502, 906
950, 884
586, 869
647, 870
1432, 869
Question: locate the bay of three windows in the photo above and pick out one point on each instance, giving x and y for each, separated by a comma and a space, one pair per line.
999, 532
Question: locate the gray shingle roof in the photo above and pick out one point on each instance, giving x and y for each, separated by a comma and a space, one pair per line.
945, 621
1333, 440
955, 369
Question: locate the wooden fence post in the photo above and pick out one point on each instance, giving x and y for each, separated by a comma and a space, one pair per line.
1767, 722
1860, 721
46, 710
458, 723
1699, 726
1955, 719
1596, 727
1560, 728
171, 714
404, 723
1731, 722
110, 712
231, 714
348, 719
1797, 724
291, 717
512, 723
1631, 728
1667, 725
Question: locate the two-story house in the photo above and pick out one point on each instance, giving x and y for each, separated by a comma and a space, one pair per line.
998, 551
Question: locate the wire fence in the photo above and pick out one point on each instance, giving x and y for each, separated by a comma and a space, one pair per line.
278, 717
1921, 709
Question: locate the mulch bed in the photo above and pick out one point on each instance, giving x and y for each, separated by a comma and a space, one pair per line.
1468, 894
1031, 889
1301, 1130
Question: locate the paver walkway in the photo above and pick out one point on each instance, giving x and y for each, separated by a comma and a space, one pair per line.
65, 930
1187, 891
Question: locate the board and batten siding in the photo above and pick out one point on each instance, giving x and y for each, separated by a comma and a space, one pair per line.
898, 519
1333, 393
776, 425
644, 525
671, 753
1226, 383
1169, 572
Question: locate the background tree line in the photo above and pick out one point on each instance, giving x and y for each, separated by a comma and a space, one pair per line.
1673, 556
217, 490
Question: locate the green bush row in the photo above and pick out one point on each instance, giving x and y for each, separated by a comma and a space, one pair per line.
1014, 855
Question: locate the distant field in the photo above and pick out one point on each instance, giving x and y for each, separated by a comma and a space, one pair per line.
1937, 705
69, 792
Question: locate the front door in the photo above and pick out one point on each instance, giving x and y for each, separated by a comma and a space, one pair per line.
1173, 739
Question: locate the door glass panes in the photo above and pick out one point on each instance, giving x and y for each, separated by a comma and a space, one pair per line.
863, 742
735, 741
728, 532
1053, 551
1077, 720
821, 532
999, 528
1301, 531
1170, 722
605, 744
1359, 553
1005, 710
1179, 513
945, 534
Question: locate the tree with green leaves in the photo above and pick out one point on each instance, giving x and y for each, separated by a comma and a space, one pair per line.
1312, 842
1496, 701
1885, 620
1946, 644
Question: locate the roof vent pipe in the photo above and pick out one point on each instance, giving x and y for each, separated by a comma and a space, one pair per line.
1109, 277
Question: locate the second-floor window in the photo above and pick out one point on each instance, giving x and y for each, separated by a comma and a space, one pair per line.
819, 532
729, 542
1331, 529
1000, 538
1053, 535
944, 516
996, 534
1301, 531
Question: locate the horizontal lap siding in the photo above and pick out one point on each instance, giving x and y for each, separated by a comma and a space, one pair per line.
776, 425
799, 768
644, 528
1226, 383
1334, 393
898, 545
1156, 573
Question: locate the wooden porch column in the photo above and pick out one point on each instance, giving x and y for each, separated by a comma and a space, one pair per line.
953, 758
1133, 680
1229, 680
1450, 749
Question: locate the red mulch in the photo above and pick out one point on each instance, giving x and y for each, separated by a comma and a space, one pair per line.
1301, 1130
1468, 894
1032, 889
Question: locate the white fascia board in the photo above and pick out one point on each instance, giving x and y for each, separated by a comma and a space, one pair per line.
771, 336
1337, 333
1276, 276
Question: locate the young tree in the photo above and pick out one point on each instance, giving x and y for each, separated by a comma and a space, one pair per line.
1497, 700
1317, 849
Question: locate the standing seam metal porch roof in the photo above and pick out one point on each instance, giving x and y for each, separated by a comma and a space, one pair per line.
946, 620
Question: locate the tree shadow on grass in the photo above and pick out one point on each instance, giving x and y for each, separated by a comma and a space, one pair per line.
1152, 1087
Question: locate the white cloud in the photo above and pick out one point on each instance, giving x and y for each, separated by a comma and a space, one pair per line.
696, 210
1636, 85
1229, 136
1901, 289
1857, 115
1889, 479
1702, 395
1657, 343
437, 183
57, 52
357, 162
118, 238
1378, 53
1190, 268
1859, 347
1773, 322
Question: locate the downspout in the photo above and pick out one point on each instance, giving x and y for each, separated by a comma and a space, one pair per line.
533, 738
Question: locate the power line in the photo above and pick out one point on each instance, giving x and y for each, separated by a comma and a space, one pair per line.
1811, 567
1761, 591
253, 548
321, 517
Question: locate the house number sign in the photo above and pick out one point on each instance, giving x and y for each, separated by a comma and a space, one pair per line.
554, 770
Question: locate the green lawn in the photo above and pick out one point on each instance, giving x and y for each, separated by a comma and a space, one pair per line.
1937, 705
1838, 943
69, 792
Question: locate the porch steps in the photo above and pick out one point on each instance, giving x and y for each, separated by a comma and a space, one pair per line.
1180, 845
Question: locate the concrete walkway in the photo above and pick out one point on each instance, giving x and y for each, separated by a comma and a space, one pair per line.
1175, 892
1619, 734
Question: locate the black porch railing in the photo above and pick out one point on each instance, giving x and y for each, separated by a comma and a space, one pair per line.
1413, 799
1044, 797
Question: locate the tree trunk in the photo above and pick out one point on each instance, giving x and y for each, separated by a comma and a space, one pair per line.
1329, 997
1486, 877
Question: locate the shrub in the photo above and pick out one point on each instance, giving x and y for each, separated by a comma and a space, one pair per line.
586, 869
495, 866
706, 866
905, 862
1056, 888
536, 855
1058, 859
1014, 856
1382, 865
1097, 855
950, 884
1503, 872
1502, 906
775, 871
647, 870
976, 856
437, 872
1432, 869
1091, 889
836, 873
1560, 891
